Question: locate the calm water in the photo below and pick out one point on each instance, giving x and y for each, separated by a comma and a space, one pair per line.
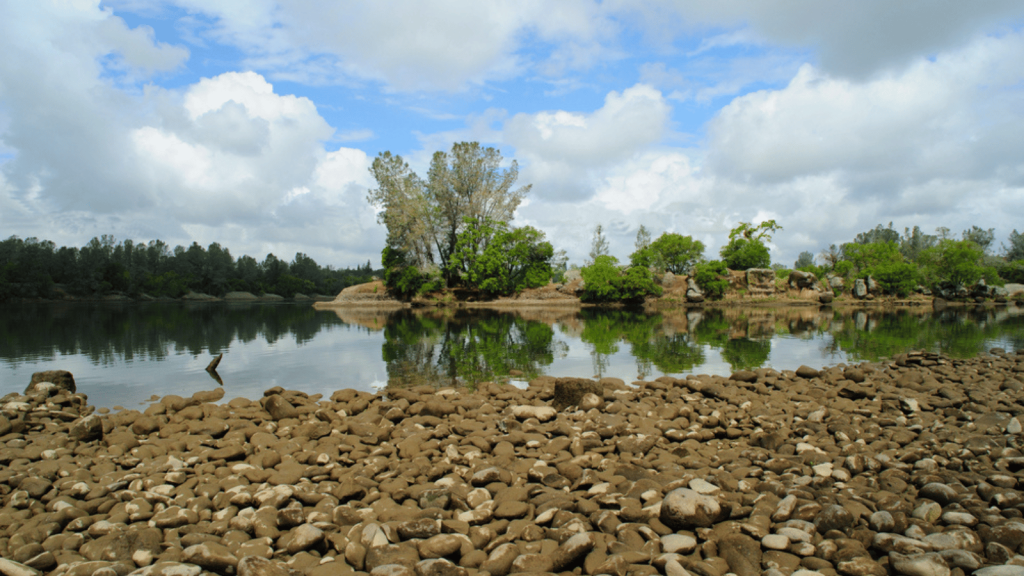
125, 354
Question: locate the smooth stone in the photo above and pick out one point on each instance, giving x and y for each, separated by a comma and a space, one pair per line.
683, 508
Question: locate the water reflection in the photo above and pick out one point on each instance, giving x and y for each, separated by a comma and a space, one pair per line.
446, 346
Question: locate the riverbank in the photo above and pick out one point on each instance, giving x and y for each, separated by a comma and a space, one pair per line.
911, 466
739, 294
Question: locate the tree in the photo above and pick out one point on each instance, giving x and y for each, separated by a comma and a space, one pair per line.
643, 239
914, 242
804, 260
672, 252
598, 246
983, 238
1015, 251
604, 282
424, 219
879, 234
957, 262
500, 260
831, 256
864, 257
744, 254
746, 248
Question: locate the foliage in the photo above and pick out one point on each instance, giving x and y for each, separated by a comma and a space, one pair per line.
598, 246
35, 269
831, 256
744, 254
1012, 271
424, 218
604, 282
804, 260
709, 276
914, 242
499, 260
955, 261
864, 257
760, 233
672, 252
983, 238
879, 234
404, 279
899, 278
1015, 251
843, 269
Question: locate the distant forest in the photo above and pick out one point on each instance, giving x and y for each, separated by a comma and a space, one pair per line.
33, 268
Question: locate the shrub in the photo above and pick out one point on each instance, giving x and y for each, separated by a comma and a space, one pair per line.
708, 277
744, 254
1012, 271
599, 279
899, 278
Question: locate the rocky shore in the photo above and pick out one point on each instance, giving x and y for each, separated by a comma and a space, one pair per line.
908, 467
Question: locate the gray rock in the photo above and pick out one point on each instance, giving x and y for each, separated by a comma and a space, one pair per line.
860, 289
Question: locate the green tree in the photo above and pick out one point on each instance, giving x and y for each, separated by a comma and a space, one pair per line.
744, 254
1015, 251
672, 252
879, 234
983, 238
424, 218
500, 260
600, 279
865, 257
598, 246
914, 242
804, 260
957, 262
746, 248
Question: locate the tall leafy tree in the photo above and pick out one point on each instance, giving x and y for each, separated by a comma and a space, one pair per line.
672, 252
424, 218
983, 238
804, 260
1015, 251
599, 245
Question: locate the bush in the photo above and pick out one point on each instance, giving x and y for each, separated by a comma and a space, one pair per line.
956, 262
1012, 272
604, 282
709, 277
896, 278
744, 254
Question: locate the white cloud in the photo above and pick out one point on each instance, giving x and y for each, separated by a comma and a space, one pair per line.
563, 149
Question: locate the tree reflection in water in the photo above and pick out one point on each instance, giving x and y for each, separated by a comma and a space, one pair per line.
460, 346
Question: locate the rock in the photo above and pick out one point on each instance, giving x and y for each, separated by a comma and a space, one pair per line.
304, 537
761, 281
807, 372
570, 391
439, 546
860, 289
826, 297
210, 556
439, 567
256, 566
171, 569
499, 561
87, 429
542, 413
919, 564
742, 553
403, 554
279, 408
11, 568
62, 380
683, 508
679, 544
572, 551
799, 279
834, 517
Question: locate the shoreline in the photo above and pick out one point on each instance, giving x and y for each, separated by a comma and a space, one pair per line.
909, 466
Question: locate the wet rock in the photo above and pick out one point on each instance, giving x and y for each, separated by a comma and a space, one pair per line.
62, 380
569, 391
279, 408
87, 429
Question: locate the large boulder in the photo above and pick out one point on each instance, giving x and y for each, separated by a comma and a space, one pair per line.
693, 292
798, 279
570, 391
60, 380
761, 281
860, 289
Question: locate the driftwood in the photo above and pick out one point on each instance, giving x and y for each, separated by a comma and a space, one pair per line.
212, 369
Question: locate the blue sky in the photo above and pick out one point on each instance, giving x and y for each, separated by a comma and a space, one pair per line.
253, 123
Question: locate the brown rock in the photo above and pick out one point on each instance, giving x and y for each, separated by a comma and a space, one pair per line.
62, 379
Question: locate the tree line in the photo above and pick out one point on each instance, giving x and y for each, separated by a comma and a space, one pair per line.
453, 229
33, 268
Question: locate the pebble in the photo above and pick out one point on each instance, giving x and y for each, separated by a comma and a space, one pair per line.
907, 466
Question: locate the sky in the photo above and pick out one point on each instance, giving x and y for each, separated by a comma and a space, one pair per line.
253, 123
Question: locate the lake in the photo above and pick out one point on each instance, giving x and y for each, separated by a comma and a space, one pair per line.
124, 354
